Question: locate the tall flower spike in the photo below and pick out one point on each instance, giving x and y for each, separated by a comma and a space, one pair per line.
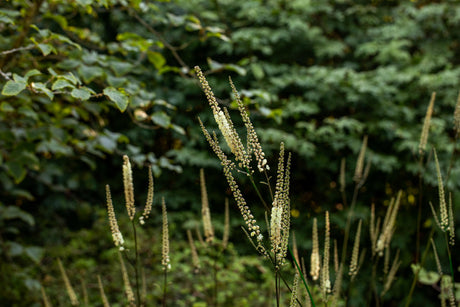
388, 226
443, 216
253, 140
104, 299
46, 301
325, 281
280, 215
354, 257
436, 257
129, 187
251, 223
128, 289
116, 234
426, 126
314, 258
205, 212
451, 222
195, 259
360, 161
149, 201
165, 241
68, 286
295, 287
224, 122
391, 275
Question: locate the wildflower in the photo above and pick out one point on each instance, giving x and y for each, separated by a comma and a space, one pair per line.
207, 225
149, 201
129, 188
128, 290
355, 253
116, 234
165, 238
314, 259
325, 281
252, 139
68, 286
426, 126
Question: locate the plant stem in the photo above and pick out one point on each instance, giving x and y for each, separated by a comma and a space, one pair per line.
165, 285
136, 263
414, 281
303, 278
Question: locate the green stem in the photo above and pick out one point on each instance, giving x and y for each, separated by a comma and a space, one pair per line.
422, 262
450, 257
165, 285
136, 263
257, 190
303, 277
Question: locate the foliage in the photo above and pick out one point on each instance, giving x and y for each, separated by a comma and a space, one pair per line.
84, 82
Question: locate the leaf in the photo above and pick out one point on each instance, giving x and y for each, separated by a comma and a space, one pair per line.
46, 49
32, 73
81, 93
12, 212
156, 59
60, 84
35, 253
89, 73
12, 88
161, 119
121, 99
41, 87
16, 170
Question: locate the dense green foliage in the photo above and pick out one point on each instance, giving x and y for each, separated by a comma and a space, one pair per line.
84, 82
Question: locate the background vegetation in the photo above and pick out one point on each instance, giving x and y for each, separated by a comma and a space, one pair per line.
87, 81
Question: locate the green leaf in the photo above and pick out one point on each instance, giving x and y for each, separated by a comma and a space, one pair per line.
156, 59
161, 119
46, 49
60, 84
89, 73
81, 93
41, 87
6, 107
120, 99
35, 253
32, 73
16, 170
12, 88
12, 212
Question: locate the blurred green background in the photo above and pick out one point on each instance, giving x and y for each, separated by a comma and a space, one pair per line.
86, 81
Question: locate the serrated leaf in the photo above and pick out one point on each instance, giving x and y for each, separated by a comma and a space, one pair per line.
60, 84
13, 88
120, 99
81, 93
161, 119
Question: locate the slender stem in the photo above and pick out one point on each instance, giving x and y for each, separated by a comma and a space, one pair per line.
414, 281
136, 263
268, 184
450, 257
303, 277
165, 285
257, 190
